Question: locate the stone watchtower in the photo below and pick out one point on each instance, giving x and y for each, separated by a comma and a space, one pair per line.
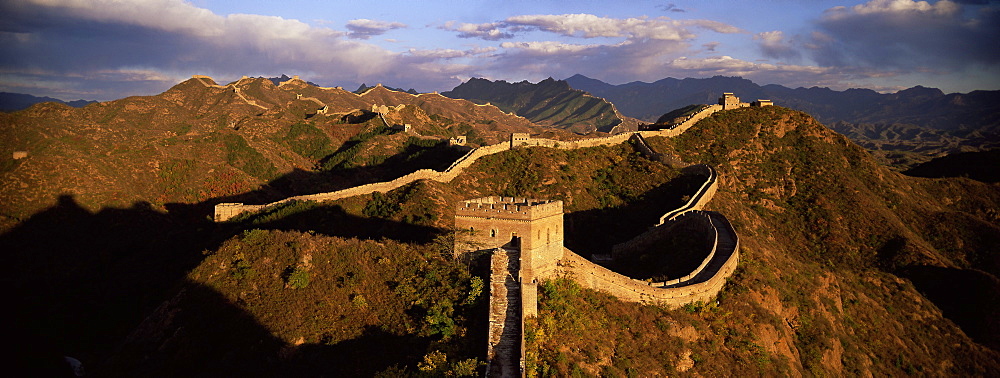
530, 230
730, 101
525, 237
532, 227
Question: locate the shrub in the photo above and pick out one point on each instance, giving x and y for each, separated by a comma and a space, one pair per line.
296, 277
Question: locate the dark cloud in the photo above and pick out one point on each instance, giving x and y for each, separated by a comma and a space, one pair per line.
671, 7
365, 28
774, 45
907, 35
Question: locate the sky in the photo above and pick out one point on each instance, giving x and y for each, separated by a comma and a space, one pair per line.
109, 49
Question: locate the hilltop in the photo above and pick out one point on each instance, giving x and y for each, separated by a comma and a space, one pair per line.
249, 140
548, 102
846, 266
903, 128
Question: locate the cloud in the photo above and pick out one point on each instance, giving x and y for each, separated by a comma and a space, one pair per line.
364, 28
773, 45
489, 31
544, 48
589, 26
671, 7
639, 48
906, 34
64, 45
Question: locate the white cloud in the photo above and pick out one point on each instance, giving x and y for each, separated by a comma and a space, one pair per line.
489, 31
94, 38
547, 47
438, 53
364, 28
589, 26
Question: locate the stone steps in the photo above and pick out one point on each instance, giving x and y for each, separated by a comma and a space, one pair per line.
505, 315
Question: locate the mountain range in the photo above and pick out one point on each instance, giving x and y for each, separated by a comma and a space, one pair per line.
903, 128
549, 102
846, 266
16, 101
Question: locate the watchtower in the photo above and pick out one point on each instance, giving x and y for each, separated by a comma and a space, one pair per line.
532, 226
529, 232
730, 101
517, 139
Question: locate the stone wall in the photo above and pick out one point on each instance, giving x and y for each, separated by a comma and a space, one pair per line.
701, 285
696, 202
465, 161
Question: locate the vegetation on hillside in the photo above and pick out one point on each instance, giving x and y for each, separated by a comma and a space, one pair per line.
846, 267
549, 102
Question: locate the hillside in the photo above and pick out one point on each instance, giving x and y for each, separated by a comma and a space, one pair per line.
548, 102
846, 266
247, 141
975, 165
904, 128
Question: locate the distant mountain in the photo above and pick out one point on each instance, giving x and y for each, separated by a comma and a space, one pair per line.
283, 78
919, 106
10, 102
364, 88
549, 102
903, 128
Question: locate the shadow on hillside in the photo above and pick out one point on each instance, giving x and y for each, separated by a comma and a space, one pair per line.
970, 298
299, 182
82, 280
208, 335
334, 221
595, 231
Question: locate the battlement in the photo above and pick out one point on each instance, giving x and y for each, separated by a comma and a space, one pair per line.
515, 208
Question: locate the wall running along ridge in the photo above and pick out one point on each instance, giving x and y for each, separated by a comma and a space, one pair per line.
226, 211
516, 268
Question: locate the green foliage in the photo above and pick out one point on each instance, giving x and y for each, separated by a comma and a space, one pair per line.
475, 290
254, 236
296, 277
436, 364
381, 206
346, 156
241, 270
275, 213
240, 155
307, 140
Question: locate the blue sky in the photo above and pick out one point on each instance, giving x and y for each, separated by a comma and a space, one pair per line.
107, 49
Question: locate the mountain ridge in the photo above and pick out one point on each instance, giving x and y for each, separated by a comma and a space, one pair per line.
10, 102
548, 102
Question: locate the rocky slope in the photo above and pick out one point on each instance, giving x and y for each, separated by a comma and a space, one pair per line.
548, 102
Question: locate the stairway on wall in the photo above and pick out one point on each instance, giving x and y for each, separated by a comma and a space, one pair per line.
505, 314
724, 249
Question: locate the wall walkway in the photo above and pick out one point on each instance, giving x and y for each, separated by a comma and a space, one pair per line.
229, 210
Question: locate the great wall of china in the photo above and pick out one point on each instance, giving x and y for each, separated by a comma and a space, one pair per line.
521, 256
226, 211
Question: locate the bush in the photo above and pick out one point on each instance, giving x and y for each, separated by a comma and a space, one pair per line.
296, 277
